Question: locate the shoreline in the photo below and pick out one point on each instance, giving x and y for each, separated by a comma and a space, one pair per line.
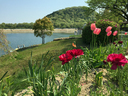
66, 30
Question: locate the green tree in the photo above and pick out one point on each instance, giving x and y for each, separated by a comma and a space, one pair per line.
43, 27
116, 7
4, 42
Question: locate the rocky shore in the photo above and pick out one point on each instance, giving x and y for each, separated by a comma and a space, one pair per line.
32, 31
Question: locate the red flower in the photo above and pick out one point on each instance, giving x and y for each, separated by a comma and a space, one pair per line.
93, 26
108, 29
65, 58
77, 52
120, 42
116, 60
70, 52
104, 62
109, 33
114, 43
125, 33
114, 34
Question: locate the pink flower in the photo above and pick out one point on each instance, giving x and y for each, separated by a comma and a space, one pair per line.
93, 26
116, 60
108, 29
125, 33
114, 34
109, 33
65, 58
77, 52
95, 30
98, 31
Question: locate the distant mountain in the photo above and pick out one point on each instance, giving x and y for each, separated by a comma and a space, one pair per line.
72, 17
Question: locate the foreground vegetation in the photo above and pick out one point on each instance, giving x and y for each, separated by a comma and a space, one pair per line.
17, 63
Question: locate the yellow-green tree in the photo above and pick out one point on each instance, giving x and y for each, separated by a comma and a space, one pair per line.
4, 42
43, 27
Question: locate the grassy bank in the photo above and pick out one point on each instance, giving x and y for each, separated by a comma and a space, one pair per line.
13, 63
16, 60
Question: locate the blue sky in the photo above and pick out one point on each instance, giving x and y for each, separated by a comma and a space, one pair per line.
19, 11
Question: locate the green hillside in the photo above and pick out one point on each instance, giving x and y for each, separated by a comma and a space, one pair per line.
72, 17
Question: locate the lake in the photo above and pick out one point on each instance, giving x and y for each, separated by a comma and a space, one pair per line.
28, 39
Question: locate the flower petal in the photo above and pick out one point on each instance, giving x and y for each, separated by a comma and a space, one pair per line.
114, 67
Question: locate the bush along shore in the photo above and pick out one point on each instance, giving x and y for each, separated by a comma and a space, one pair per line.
93, 70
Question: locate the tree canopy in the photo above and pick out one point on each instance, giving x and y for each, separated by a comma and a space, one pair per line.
116, 7
4, 42
43, 27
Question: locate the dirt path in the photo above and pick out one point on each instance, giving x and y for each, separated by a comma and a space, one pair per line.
32, 31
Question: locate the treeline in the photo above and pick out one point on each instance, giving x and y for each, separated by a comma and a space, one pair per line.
16, 26
72, 17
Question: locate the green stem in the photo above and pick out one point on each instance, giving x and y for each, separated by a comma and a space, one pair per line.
120, 80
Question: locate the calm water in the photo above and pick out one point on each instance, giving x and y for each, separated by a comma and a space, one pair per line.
29, 39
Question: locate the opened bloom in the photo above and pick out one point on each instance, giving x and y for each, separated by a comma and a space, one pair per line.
114, 43
94, 32
97, 31
116, 60
114, 34
125, 33
65, 58
76, 52
120, 42
93, 26
108, 29
109, 33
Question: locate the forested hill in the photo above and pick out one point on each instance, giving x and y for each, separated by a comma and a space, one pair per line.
72, 17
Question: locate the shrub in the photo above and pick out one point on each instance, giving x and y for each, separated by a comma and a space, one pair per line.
87, 33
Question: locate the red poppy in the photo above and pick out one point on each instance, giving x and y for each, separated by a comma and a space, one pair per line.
108, 29
104, 61
114, 43
116, 60
93, 26
114, 34
65, 58
125, 33
77, 52
120, 42
109, 33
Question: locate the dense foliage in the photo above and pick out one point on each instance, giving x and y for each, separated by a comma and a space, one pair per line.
16, 26
102, 37
116, 7
43, 27
4, 43
73, 17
